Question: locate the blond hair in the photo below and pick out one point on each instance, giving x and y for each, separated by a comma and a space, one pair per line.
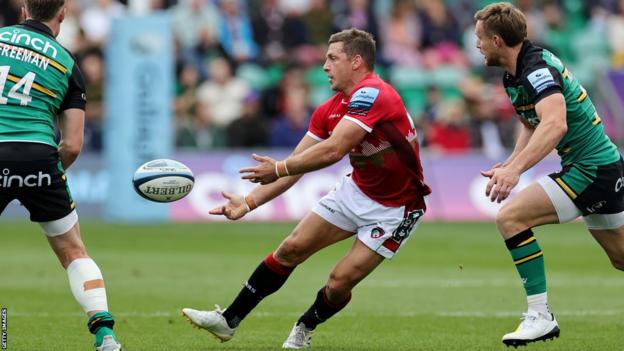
505, 20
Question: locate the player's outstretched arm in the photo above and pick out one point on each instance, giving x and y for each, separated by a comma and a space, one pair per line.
71, 124
238, 206
235, 208
344, 138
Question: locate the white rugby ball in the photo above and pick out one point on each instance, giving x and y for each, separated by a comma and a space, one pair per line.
163, 180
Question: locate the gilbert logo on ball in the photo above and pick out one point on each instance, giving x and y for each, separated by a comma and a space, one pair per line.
163, 180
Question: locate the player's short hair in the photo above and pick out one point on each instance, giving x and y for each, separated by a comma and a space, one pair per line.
357, 42
505, 20
43, 10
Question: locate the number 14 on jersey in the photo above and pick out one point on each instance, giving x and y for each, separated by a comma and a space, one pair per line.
25, 83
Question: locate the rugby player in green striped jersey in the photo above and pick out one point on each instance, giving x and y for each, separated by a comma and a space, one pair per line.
40, 82
556, 113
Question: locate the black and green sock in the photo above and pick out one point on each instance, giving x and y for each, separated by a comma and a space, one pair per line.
101, 324
529, 261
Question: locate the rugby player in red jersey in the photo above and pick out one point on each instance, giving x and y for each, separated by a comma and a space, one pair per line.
379, 203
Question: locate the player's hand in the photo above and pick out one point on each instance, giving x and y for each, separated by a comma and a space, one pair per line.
263, 173
489, 173
234, 209
502, 181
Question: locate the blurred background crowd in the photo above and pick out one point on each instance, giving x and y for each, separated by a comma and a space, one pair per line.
249, 73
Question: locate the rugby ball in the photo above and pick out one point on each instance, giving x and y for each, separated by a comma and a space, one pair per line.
163, 180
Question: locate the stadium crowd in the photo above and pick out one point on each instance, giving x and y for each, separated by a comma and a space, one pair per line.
250, 72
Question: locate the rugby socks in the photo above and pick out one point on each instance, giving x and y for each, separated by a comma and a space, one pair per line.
539, 303
321, 310
87, 284
268, 277
101, 324
529, 261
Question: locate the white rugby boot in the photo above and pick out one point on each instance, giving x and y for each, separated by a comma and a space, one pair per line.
300, 337
212, 321
534, 327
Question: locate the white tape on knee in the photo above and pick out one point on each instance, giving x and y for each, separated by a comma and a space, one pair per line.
83, 270
60, 226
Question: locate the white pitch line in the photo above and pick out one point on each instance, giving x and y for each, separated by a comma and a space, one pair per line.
464, 283
456, 314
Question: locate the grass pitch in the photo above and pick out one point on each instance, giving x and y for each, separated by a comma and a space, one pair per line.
453, 287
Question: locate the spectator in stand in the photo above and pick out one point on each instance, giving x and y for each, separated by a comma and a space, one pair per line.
92, 66
319, 24
450, 133
432, 103
489, 111
72, 36
441, 35
439, 25
185, 104
357, 14
236, 33
319, 20
267, 22
291, 126
250, 130
205, 135
220, 99
556, 37
536, 25
196, 28
273, 99
97, 18
278, 32
616, 36
401, 35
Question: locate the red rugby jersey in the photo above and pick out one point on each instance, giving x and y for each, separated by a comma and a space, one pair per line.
384, 171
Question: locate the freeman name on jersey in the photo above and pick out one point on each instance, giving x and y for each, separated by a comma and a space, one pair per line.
25, 55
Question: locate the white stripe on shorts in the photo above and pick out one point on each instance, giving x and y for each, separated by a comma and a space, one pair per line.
566, 209
604, 221
60, 226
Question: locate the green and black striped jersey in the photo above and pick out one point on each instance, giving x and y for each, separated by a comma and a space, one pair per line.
539, 74
38, 79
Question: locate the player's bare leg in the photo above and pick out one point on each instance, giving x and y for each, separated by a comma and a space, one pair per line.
311, 234
612, 241
87, 285
529, 208
335, 295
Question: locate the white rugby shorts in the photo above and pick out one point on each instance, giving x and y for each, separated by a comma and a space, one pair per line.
383, 229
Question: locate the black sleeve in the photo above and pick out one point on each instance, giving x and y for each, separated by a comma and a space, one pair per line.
76, 94
541, 81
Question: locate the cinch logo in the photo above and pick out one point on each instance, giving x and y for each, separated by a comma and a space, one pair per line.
19, 38
619, 184
29, 181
